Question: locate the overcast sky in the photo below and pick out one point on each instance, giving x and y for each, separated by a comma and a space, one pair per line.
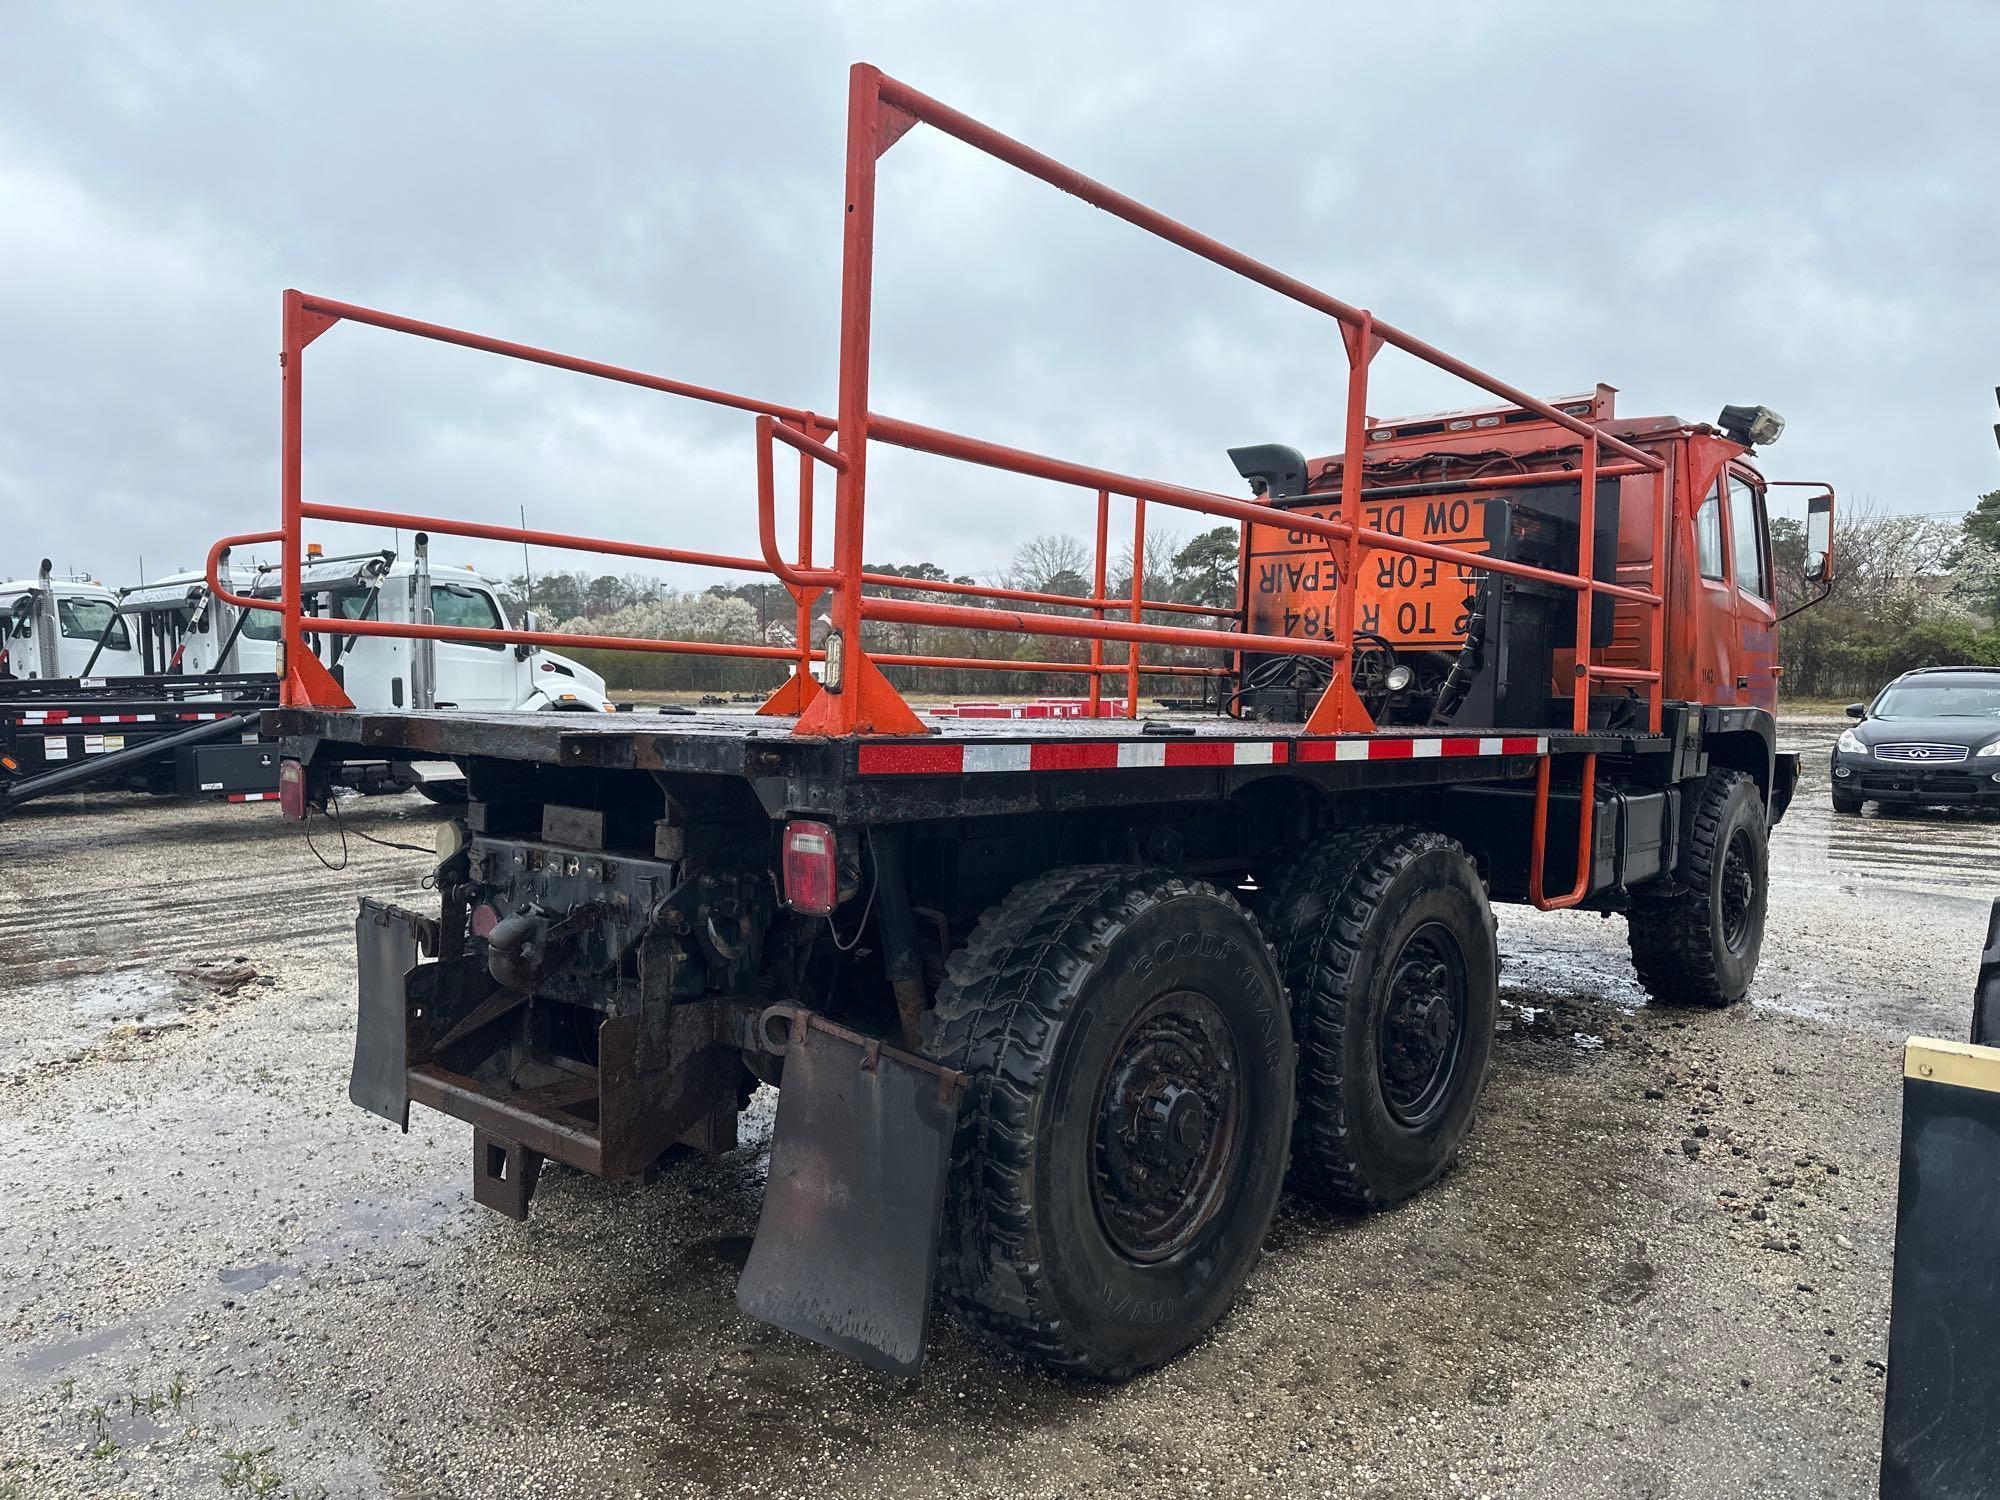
1786, 204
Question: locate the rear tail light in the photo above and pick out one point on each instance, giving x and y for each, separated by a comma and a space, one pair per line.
292, 789
812, 875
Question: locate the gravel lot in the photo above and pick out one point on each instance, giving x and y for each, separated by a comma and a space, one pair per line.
1662, 1268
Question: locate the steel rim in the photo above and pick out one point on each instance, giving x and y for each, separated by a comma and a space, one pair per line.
1739, 890
1168, 1117
1422, 1035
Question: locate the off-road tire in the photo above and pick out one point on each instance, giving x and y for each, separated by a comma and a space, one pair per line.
1847, 804
1036, 1007
1342, 922
1682, 944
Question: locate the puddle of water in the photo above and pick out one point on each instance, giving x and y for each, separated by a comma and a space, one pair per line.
100, 1001
253, 1278
38, 1362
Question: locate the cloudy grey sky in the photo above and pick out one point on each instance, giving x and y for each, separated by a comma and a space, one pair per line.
1700, 204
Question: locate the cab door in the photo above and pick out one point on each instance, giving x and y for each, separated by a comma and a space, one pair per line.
1755, 649
473, 675
1710, 623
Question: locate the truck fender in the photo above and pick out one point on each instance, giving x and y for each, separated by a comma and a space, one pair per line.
587, 700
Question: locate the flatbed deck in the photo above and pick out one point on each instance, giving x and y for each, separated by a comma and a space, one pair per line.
966, 767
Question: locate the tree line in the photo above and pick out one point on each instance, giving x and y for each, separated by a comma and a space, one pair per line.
1908, 591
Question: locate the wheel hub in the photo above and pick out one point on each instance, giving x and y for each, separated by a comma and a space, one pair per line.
1738, 893
1423, 1026
1173, 1128
1166, 1127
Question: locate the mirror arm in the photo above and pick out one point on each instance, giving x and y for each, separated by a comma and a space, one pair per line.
1825, 593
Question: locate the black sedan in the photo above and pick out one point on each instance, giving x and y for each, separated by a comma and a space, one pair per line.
1931, 736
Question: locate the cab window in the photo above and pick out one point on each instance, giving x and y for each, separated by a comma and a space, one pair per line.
1746, 531
85, 619
262, 624
356, 603
1708, 534
466, 609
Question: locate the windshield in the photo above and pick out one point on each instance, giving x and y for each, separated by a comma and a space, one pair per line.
1938, 700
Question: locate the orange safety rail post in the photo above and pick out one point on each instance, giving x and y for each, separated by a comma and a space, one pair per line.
805, 585
1097, 592
1138, 606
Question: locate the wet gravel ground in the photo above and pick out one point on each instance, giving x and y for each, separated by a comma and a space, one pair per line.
1661, 1269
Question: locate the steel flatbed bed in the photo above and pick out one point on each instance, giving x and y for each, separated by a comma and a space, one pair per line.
968, 767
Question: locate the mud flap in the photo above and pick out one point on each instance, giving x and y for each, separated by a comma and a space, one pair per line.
847, 1242
1939, 1437
386, 944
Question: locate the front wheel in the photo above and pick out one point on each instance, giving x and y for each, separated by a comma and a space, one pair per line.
1695, 941
1386, 942
1844, 804
1122, 1148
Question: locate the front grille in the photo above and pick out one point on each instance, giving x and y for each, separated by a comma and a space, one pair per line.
1923, 754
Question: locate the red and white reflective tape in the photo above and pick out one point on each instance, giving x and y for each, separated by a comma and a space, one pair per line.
63, 716
947, 759
1425, 747
253, 796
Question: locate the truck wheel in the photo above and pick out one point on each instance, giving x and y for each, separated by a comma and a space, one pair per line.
1122, 1146
1386, 942
1845, 804
1695, 942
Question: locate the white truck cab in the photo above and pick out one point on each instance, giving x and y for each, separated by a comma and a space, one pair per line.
378, 672
64, 627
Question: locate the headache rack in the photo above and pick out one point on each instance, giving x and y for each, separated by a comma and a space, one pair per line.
852, 697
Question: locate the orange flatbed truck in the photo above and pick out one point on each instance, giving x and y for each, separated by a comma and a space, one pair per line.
1056, 1008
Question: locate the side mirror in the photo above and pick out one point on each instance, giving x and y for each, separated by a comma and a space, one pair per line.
531, 622
1857, 710
1819, 539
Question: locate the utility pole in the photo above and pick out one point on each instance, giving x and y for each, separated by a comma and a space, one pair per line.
528, 568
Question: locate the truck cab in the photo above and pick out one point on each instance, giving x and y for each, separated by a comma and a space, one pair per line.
200, 634
1431, 628
63, 627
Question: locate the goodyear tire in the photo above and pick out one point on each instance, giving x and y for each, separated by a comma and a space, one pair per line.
1386, 941
1123, 1145
1696, 941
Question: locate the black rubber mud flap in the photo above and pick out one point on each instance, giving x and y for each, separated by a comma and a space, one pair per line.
386, 944
847, 1242
1940, 1439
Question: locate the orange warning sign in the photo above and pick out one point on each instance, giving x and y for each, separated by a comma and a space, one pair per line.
1409, 601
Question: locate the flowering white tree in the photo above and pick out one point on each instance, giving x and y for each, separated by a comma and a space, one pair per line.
675, 617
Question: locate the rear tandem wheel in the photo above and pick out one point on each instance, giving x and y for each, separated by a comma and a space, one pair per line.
1122, 1148
1386, 942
